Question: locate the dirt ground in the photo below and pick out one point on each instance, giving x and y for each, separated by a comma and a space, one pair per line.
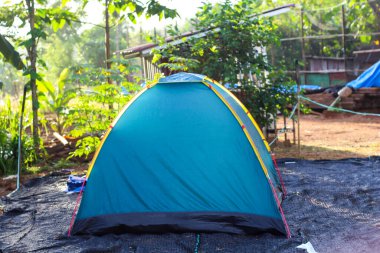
333, 136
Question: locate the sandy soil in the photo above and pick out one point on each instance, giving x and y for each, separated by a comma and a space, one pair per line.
334, 136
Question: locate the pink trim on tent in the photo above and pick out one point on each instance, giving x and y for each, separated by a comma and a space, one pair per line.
75, 209
279, 174
288, 235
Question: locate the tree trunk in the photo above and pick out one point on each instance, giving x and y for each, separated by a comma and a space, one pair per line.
32, 52
117, 40
33, 85
108, 49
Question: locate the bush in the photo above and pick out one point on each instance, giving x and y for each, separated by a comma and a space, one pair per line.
9, 119
93, 110
236, 62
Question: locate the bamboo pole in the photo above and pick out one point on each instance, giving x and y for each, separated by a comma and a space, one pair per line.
298, 107
344, 40
285, 127
107, 40
303, 41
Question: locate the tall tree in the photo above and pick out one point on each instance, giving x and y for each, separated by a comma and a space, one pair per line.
238, 62
35, 19
130, 9
31, 47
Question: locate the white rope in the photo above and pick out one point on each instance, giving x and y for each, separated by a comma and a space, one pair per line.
330, 36
336, 109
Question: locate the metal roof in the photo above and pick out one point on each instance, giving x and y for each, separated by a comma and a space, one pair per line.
145, 49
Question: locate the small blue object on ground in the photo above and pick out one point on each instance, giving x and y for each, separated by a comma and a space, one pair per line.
74, 183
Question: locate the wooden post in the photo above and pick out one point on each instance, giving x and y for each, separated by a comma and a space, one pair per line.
285, 134
107, 40
146, 69
344, 40
142, 67
294, 131
117, 38
303, 42
298, 107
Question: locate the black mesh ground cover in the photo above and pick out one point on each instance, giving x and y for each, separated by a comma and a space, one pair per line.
333, 204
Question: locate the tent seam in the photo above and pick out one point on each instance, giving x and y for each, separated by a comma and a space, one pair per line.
257, 155
243, 127
244, 109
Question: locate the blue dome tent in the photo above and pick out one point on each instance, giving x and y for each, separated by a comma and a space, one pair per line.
184, 155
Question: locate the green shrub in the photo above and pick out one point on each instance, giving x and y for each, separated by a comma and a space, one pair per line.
241, 62
98, 103
9, 120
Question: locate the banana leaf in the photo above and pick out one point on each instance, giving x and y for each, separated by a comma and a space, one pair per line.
10, 54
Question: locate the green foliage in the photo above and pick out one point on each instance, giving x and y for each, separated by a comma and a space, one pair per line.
92, 114
94, 109
13, 80
9, 119
241, 55
134, 9
91, 47
122, 72
45, 18
86, 146
58, 165
10, 54
170, 59
36, 18
55, 99
60, 50
323, 21
266, 101
219, 54
223, 57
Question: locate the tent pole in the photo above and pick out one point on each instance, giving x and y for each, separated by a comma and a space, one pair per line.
298, 107
19, 158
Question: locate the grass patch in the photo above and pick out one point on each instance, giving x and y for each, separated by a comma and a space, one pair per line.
60, 164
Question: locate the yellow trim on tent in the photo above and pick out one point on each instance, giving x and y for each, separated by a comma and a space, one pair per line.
242, 126
97, 152
223, 100
113, 124
244, 109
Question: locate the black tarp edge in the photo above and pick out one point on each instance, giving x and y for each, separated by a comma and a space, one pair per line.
162, 222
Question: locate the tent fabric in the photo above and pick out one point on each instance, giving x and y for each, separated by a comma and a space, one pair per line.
177, 160
255, 134
369, 78
243, 113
